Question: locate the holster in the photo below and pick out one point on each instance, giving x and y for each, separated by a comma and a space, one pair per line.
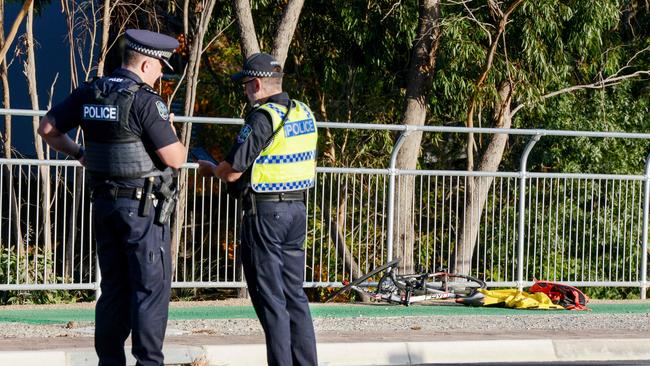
167, 197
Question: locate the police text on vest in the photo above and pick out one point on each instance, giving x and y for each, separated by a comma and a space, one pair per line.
101, 112
298, 128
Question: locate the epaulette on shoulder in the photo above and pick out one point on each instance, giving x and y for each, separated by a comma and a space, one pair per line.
150, 90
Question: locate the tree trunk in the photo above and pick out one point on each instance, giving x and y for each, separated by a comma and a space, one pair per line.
246, 27
16, 232
478, 191
286, 28
424, 52
192, 72
30, 72
106, 26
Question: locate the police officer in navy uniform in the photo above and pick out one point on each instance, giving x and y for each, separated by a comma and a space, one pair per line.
130, 152
271, 166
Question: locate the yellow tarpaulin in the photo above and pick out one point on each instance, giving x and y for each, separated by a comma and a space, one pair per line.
513, 298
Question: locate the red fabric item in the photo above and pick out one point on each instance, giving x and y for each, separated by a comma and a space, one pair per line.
567, 296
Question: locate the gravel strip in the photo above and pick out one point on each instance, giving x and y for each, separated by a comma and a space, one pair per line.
560, 323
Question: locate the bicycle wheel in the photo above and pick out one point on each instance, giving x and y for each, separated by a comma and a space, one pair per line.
361, 279
457, 284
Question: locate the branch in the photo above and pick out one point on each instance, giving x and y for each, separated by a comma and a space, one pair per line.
217, 36
14, 29
612, 80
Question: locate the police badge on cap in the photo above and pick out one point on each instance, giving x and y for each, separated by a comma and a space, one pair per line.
151, 44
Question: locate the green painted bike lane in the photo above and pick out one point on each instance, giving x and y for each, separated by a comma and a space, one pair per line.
58, 316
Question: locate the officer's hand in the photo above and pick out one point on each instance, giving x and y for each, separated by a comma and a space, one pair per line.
82, 160
171, 122
206, 168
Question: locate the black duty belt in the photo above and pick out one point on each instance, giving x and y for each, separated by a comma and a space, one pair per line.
116, 192
279, 197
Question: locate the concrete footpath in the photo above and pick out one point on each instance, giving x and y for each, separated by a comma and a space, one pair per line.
202, 335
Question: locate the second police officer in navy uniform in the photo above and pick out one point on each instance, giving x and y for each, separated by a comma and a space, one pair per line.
271, 166
131, 149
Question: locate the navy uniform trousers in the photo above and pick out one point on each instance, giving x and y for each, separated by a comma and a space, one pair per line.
273, 258
135, 261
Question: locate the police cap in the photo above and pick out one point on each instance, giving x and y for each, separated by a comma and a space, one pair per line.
151, 44
259, 65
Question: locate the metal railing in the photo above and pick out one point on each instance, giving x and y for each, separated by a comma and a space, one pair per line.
581, 229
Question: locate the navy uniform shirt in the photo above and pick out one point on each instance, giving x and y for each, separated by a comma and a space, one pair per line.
252, 138
145, 121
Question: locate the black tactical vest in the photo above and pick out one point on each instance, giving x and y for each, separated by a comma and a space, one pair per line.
112, 149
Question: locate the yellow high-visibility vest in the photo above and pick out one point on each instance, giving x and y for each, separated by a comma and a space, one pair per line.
289, 162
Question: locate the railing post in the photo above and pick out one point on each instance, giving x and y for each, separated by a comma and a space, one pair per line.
392, 172
646, 214
522, 210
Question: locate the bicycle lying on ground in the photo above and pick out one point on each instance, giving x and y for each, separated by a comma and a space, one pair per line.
413, 288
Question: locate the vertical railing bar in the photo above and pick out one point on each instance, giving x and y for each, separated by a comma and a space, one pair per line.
9, 224
522, 209
384, 205
322, 227
625, 213
219, 205
25, 232
530, 219
591, 226
557, 224
618, 229
535, 226
202, 229
541, 230
607, 242
646, 217
352, 227
435, 224
55, 225
336, 238
508, 228
368, 259
568, 255
494, 210
550, 229
563, 238
640, 218
329, 225
313, 241
376, 213
581, 270
210, 210
193, 227
428, 232
499, 241
391, 191
29, 205
345, 228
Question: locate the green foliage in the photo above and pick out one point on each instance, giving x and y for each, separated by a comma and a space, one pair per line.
13, 271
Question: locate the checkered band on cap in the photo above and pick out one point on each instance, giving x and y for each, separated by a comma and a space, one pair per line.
258, 74
148, 51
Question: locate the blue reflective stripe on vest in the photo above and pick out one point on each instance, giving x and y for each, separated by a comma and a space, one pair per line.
275, 108
293, 186
281, 159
